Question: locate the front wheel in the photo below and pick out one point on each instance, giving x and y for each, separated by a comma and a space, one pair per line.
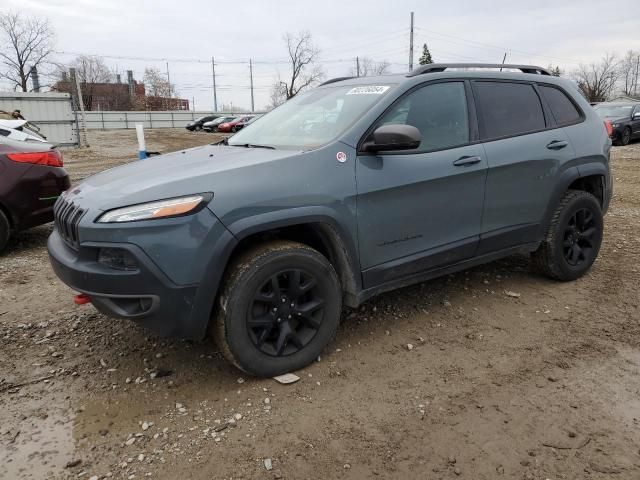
279, 308
573, 238
626, 136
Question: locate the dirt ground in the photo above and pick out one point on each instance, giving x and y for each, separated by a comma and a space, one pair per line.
544, 385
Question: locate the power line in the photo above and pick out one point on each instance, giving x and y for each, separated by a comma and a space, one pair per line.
502, 48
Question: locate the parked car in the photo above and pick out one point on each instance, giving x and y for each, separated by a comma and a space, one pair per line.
197, 124
624, 118
234, 125
415, 176
240, 125
20, 130
32, 179
212, 126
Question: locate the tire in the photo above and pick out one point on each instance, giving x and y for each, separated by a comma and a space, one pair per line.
5, 231
625, 138
198, 128
573, 238
267, 333
234, 129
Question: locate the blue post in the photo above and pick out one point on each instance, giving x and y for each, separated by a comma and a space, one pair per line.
142, 149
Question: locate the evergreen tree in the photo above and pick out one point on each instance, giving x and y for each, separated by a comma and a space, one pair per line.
425, 59
555, 71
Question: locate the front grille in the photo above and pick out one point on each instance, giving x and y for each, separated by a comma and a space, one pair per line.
66, 218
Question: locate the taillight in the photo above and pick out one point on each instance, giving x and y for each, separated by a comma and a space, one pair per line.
608, 127
51, 158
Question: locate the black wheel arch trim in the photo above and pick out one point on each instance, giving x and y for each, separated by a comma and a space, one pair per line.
334, 237
563, 182
328, 227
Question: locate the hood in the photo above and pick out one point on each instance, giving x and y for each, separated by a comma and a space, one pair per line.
196, 170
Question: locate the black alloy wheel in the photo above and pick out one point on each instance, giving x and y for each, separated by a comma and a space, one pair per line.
579, 237
278, 309
286, 313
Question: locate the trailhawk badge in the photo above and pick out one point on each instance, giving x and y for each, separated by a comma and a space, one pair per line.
341, 157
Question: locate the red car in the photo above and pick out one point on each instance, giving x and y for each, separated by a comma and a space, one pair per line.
32, 180
234, 125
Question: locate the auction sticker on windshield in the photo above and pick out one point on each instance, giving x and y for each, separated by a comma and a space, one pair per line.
369, 90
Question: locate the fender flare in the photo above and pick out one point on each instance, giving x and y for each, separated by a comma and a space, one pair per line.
339, 243
562, 184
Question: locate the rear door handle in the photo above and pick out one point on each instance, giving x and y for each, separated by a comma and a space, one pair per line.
466, 161
557, 144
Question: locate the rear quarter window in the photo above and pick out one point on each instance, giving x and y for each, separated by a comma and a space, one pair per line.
507, 109
562, 108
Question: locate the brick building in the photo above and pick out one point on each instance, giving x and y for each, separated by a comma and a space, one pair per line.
120, 96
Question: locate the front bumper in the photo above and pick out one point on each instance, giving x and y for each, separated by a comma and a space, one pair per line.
145, 295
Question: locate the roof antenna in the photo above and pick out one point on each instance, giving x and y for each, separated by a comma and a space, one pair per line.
503, 59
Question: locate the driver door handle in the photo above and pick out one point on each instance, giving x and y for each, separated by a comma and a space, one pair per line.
467, 160
557, 145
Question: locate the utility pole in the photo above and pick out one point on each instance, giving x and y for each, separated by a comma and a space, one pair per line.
411, 44
168, 102
357, 66
215, 94
251, 80
79, 103
193, 99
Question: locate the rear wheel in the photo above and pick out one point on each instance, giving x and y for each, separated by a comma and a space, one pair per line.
279, 308
5, 230
573, 238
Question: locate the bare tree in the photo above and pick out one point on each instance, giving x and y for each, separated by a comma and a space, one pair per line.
598, 80
303, 56
277, 96
630, 73
369, 67
158, 90
91, 70
25, 42
156, 83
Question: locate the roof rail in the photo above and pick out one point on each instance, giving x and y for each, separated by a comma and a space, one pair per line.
334, 80
441, 67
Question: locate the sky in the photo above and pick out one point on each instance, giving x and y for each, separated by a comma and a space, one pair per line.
135, 34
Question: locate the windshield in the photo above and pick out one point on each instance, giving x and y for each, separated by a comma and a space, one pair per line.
311, 119
613, 110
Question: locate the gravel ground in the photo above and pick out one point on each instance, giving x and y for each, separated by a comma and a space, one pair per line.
491, 373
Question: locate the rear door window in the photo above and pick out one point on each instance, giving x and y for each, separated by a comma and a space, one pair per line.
562, 108
507, 109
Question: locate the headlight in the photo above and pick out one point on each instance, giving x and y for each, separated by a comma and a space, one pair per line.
615, 125
172, 207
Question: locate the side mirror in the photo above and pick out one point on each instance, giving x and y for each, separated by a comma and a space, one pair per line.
393, 137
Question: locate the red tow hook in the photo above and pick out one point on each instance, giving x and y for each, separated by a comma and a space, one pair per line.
81, 299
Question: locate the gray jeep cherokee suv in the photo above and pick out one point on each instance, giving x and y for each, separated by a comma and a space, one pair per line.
359, 186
